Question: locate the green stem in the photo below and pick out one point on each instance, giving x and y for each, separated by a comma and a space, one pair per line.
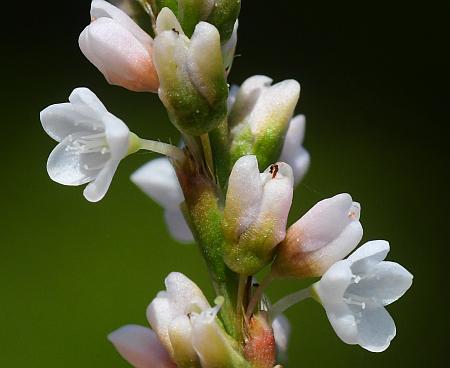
219, 140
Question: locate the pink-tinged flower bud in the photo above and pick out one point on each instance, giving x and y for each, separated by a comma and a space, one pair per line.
119, 48
255, 215
260, 345
324, 235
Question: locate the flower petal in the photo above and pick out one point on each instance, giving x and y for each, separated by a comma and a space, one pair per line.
86, 102
279, 100
333, 284
178, 226
122, 59
97, 189
100, 8
83, 113
295, 134
293, 153
276, 200
61, 120
386, 283
325, 221
159, 181
247, 97
181, 297
368, 255
140, 347
68, 167
205, 68
244, 196
229, 48
281, 330
232, 97
117, 136
376, 329
180, 334
167, 21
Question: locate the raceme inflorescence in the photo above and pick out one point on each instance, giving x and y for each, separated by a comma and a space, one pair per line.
228, 186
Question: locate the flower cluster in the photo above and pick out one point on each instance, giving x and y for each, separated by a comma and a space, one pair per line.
228, 186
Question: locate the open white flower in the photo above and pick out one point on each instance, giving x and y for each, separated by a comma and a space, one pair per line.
140, 347
293, 152
92, 142
354, 292
159, 181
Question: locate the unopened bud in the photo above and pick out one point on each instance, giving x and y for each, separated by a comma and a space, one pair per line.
324, 235
260, 117
119, 48
260, 348
193, 86
255, 215
215, 348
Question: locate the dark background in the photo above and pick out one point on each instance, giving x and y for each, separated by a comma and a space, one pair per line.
375, 82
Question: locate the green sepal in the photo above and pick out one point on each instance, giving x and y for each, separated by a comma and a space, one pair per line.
266, 147
189, 14
252, 252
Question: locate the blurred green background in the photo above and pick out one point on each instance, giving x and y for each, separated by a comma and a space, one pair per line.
374, 82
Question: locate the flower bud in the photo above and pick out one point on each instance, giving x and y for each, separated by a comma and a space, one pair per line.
119, 48
214, 346
255, 215
324, 235
181, 297
193, 87
260, 347
260, 117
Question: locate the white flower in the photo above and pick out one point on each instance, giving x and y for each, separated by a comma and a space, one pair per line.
119, 48
140, 347
324, 235
92, 142
354, 292
159, 181
293, 152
